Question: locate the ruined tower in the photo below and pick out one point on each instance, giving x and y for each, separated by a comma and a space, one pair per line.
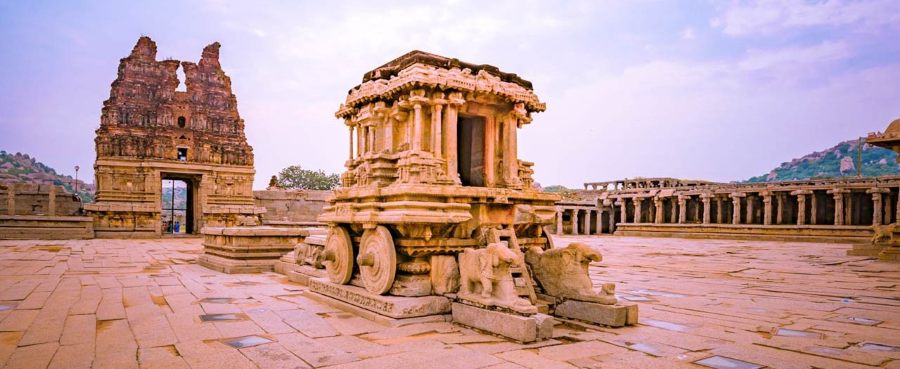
150, 133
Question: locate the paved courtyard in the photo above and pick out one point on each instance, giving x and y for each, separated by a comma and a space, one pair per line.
143, 303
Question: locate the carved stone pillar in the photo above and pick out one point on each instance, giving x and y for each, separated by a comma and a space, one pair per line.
51, 201
751, 218
490, 140
720, 211
658, 203
360, 141
801, 209
706, 209
682, 209
813, 208
838, 205
599, 221
559, 222
674, 215
417, 128
878, 205
510, 160
436, 139
637, 209
388, 141
779, 203
587, 223
887, 207
575, 221
449, 133
351, 140
767, 209
612, 219
877, 212
370, 147
736, 207
623, 210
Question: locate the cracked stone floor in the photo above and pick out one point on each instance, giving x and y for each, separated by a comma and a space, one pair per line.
726, 304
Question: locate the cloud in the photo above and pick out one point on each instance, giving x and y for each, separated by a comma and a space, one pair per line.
709, 120
688, 34
769, 17
827, 51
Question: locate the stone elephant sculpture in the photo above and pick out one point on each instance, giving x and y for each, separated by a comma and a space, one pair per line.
485, 277
563, 273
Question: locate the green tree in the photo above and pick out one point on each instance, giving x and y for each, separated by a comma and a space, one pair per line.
296, 177
555, 189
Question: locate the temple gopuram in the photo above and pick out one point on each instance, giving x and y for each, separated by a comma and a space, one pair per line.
171, 161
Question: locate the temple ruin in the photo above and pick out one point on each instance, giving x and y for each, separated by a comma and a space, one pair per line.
193, 140
830, 210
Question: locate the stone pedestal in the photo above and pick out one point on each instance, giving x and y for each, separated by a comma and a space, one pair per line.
390, 306
247, 249
520, 328
618, 315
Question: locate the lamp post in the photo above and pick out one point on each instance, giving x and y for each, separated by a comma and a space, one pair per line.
76, 180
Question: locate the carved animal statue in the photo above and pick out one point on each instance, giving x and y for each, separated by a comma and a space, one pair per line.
883, 233
305, 253
485, 277
563, 273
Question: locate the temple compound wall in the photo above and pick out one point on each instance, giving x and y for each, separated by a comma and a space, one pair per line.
822, 210
291, 207
40, 211
150, 132
37, 199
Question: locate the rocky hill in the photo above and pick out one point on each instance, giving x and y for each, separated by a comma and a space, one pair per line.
20, 167
838, 161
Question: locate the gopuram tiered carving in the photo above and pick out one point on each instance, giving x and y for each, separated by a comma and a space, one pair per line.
150, 131
435, 196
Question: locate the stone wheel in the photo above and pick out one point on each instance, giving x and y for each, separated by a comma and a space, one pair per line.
377, 260
338, 255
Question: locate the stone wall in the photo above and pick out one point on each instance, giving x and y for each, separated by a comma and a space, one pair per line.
291, 205
35, 199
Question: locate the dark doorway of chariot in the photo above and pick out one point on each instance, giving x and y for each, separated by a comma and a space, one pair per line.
470, 150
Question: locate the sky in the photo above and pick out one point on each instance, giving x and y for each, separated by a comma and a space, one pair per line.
714, 90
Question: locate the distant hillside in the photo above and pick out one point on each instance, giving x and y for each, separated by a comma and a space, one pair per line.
20, 167
838, 161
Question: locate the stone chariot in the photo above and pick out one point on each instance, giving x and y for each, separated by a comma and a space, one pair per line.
436, 203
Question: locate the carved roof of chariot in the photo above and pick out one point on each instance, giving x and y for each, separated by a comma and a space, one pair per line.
419, 68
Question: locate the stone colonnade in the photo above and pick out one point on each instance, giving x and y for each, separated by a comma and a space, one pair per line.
583, 220
859, 202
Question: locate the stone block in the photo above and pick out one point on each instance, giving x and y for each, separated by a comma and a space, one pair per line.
517, 327
303, 273
391, 306
235, 266
618, 315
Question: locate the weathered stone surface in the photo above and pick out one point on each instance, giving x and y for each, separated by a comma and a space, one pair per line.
391, 306
485, 278
294, 207
563, 273
248, 249
520, 328
617, 315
